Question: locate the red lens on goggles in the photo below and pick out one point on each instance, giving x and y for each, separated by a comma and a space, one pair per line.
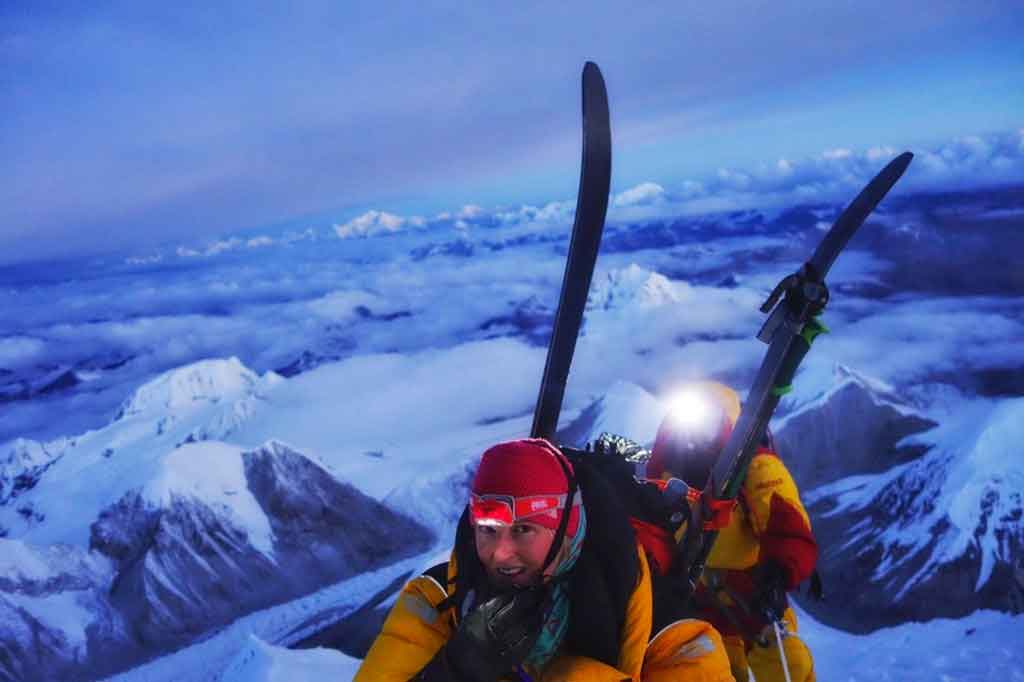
506, 509
492, 509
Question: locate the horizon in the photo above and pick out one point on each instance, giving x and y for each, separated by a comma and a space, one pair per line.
151, 128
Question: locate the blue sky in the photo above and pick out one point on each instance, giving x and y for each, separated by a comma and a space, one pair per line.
125, 125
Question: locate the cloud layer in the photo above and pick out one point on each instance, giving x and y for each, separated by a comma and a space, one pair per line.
73, 345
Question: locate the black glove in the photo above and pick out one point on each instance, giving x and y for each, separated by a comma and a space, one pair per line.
671, 601
491, 640
770, 598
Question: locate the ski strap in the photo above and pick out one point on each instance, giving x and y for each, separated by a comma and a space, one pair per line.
716, 513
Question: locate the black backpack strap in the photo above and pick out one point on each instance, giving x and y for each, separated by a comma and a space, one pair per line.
439, 573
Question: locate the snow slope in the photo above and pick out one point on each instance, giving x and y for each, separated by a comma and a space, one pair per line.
240, 650
977, 648
984, 645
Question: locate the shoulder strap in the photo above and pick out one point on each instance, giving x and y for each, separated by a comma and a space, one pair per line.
439, 573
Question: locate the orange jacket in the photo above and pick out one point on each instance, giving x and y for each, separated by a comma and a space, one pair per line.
415, 631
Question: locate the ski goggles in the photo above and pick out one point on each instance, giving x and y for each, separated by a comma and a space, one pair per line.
504, 510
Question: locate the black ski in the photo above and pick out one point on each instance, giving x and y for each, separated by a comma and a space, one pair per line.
591, 206
789, 331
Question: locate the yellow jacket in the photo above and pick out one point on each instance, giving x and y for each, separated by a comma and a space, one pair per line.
769, 522
687, 650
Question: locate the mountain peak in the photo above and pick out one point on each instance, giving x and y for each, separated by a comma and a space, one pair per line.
625, 409
634, 286
875, 386
205, 382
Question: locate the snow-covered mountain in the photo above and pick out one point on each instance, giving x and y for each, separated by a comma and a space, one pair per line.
625, 410
856, 427
634, 286
921, 520
132, 539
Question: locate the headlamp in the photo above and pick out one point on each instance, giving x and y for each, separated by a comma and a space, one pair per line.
692, 412
504, 510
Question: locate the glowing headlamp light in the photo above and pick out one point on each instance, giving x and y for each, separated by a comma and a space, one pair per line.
693, 411
504, 510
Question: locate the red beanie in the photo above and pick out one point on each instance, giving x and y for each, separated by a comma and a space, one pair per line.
528, 468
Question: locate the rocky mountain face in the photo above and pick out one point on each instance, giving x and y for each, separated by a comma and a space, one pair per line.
52, 603
23, 465
182, 533
856, 428
915, 520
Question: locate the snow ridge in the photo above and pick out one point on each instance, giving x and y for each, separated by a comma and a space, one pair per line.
635, 287
625, 409
201, 383
25, 463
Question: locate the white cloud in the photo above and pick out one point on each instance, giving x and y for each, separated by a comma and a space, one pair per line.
880, 153
836, 175
222, 246
552, 212
143, 260
733, 178
692, 189
470, 211
370, 223
834, 154
16, 351
257, 242
343, 305
213, 249
291, 236
645, 193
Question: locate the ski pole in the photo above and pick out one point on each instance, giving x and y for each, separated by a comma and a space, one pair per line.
781, 651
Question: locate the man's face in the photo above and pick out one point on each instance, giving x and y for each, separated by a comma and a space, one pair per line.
513, 555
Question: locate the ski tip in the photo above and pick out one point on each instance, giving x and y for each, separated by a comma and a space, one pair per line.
593, 79
901, 162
